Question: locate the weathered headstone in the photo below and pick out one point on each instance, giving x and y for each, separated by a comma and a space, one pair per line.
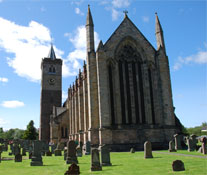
189, 144
73, 170
194, 141
178, 139
45, 148
49, 153
11, 149
58, 150
178, 165
95, 160
105, 156
23, 151
18, 158
172, 146
36, 154
71, 153
65, 153
16, 149
147, 150
53, 147
78, 151
0, 152
132, 150
87, 149
203, 141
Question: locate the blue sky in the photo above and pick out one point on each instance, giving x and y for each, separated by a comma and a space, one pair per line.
27, 29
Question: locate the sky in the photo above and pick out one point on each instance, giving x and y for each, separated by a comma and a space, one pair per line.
28, 27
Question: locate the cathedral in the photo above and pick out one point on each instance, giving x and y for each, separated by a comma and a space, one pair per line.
121, 98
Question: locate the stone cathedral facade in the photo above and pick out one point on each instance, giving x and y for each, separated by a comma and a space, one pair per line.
121, 98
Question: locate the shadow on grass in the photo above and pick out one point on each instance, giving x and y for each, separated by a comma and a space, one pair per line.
114, 165
157, 157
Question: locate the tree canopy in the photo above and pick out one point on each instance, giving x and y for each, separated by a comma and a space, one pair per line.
31, 132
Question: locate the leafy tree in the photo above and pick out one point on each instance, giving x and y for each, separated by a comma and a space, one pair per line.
11, 133
30, 133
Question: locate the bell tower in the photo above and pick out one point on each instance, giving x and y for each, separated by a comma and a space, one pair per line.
51, 91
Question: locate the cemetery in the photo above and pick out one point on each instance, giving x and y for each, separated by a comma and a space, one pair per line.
186, 155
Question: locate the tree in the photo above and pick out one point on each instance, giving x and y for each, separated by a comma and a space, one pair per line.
30, 133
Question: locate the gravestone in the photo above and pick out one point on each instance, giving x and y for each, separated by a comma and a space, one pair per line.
178, 165
172, 146
132, 150
81, 145
71, 153
30, 155
78, 151
11, 149
48, 153
203, 141
95, 160
45, 148
178, 139
53, 147
58, 150
194, 141
30, 150
65, 153
17, 153
18, 158
23, 151
87, 149
36, 154
105, 156
73, 170
147, 150
189, 144
0, 152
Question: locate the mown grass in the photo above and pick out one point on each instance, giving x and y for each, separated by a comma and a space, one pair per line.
185, 152
122, 163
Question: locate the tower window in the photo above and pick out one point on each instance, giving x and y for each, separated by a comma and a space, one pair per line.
51, 69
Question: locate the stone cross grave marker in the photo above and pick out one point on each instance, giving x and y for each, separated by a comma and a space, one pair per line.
36, 154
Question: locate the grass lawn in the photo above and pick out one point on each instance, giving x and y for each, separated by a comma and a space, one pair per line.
185, 152
122, 163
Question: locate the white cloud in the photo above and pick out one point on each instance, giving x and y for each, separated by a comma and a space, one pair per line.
4, 80
3, 122
113, 7
198, 58
12, 104
78, 11
64, 96
145, 19
115, 14
120, 3
28, 45
76, 57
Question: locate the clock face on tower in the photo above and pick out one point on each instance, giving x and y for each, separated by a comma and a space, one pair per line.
51, 81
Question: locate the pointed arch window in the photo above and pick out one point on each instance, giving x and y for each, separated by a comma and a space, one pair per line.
52, 69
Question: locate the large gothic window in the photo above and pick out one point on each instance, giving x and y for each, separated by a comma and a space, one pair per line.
131, 85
